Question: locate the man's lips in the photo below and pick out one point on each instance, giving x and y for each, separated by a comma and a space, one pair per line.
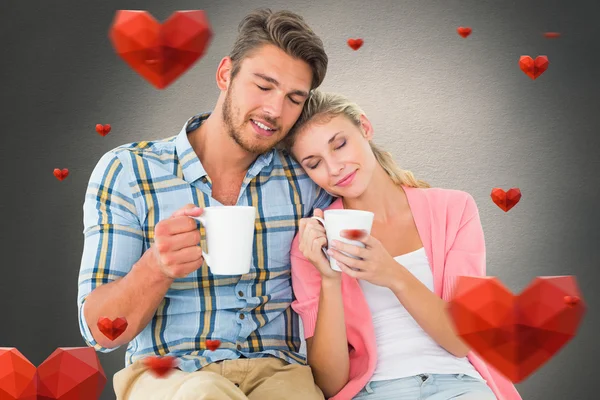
270, 126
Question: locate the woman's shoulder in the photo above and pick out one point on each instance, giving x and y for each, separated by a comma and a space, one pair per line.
443, 198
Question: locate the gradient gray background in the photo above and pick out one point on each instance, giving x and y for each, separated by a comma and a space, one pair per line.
457, 112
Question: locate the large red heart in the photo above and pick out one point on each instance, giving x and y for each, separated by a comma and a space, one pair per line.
72, 373
112, 329
506, 200
533, 69
160, 53
212, 345
516, 334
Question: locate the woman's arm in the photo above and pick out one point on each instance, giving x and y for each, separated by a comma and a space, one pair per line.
327, 349
466, 256
318, 301
429, 311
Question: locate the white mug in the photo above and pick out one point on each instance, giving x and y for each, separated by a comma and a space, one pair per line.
336, 221
229, 238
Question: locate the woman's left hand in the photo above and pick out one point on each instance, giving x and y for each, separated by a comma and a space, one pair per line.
376, 265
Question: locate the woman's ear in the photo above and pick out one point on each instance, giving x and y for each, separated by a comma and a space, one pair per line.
366, 127
224, 73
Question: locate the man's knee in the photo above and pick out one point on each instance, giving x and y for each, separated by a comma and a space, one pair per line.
203, 385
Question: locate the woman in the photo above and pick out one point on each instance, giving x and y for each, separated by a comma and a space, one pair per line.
379, 329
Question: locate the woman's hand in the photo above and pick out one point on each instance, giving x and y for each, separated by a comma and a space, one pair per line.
312, 239
376, 265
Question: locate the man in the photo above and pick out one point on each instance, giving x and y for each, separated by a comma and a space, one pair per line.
142, 256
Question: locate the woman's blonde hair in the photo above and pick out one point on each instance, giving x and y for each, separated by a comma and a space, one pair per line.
321, 107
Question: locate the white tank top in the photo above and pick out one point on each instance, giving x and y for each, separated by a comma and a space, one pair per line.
403, 347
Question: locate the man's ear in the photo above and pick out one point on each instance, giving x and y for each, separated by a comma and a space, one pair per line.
366, 127
224, 73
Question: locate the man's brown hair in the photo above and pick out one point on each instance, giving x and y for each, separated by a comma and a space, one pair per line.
284, 29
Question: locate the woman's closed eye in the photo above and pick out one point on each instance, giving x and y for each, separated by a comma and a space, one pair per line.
319, 162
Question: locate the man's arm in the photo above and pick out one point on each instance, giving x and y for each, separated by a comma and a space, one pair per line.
113, 280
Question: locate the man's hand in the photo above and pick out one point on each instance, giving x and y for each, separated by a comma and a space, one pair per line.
176, 245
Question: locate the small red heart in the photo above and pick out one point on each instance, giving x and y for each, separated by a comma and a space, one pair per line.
464, 31
533, 69
571, 301
354, 234
112, 329
160, 366
551, 35
516, 334
61, 174
103, 129
160, 53
212, 345
506, 200
355, 44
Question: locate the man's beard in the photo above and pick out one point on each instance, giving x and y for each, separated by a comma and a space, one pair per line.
237, 134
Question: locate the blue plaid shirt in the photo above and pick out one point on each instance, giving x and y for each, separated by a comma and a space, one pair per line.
135, 186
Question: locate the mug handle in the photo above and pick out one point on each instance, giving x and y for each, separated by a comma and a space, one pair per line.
202, 220
322, 221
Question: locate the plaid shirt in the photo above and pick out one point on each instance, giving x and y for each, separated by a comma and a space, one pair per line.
135, 186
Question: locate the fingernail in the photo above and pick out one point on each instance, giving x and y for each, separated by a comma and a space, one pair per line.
330, 252
334, 243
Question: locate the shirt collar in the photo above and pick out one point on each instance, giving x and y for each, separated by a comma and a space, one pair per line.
191, 165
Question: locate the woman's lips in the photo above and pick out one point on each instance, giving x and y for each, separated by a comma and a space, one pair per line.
347, 180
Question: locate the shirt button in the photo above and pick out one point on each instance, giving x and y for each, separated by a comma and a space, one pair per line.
240, 293
239, 346
242, 316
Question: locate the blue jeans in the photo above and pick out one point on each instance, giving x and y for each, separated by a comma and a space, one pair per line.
428, 387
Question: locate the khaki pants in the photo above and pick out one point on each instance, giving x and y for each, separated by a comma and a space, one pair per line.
254, 379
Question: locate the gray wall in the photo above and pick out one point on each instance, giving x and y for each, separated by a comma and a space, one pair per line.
457, 112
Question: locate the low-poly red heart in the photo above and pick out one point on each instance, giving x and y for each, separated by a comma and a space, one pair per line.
516, 334
506, 200
61, 174
212, 345
160, 53
464, 31
112, 329
533, 69
103, 130
160, 366
71, 373
355, 44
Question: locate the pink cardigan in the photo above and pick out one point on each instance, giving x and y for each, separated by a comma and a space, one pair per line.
450, 229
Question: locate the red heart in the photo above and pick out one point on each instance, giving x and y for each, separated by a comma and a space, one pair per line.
464, 31
355, 44
354, 234
551, 35
571, 301
160, 53
212, 345
533, 69
67, 374
506, 200
61, 174
161, 366
103, 129
515, 334
17, 375
112, 329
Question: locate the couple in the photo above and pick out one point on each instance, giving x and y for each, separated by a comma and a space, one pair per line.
377, 330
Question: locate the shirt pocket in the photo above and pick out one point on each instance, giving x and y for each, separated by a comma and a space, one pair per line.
275, 229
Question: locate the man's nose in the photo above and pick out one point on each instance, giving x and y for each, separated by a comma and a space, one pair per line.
274, 105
